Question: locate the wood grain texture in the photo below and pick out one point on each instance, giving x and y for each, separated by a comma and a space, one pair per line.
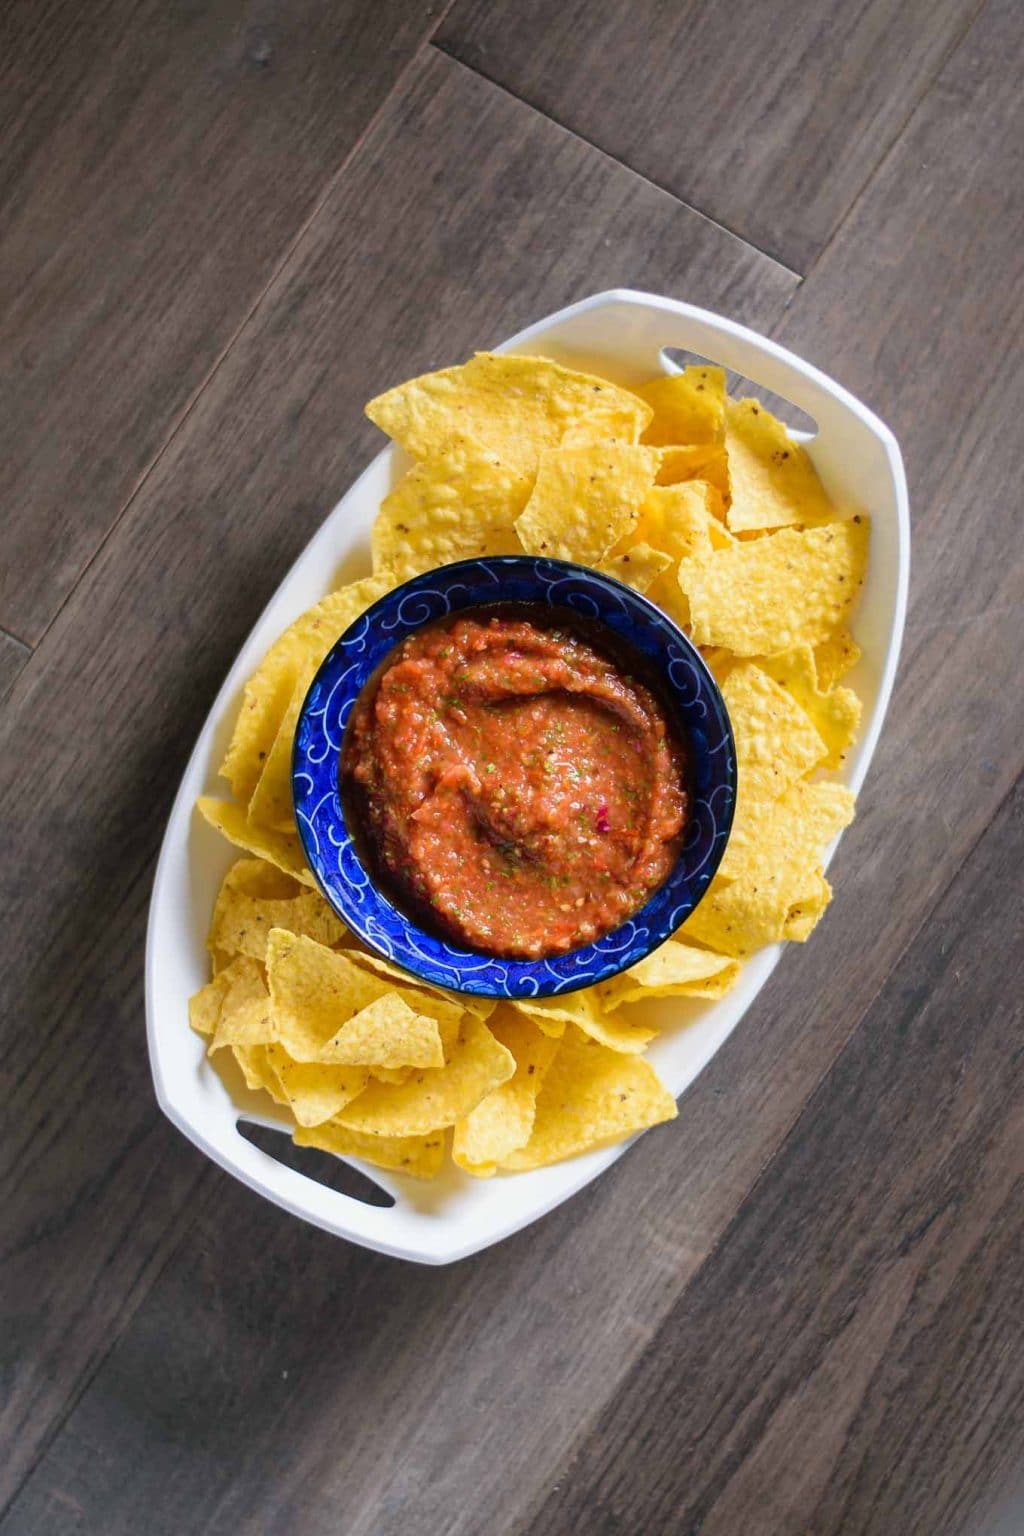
13, 656
312, 1387
850, 1358
769, 117
156, 161
421, 252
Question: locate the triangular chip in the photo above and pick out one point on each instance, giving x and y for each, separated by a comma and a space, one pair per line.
585, 500
591, 1096
246, 911
835, 713
503, 1121
420, 1156
788, 588
834, 657
245, 1012
695, 461
434, 1098
639, 566
282, 849
689, 407
583, 1009
268, 692
772, 479
512, 406
387, 1033
313, 1091
672, 970
461, 502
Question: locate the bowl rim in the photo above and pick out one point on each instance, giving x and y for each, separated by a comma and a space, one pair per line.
348, 885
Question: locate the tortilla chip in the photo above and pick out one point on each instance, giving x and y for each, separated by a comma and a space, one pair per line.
315, 991
254, 1064
461, 502
514, 407
772, 479
617, 421
683, 520
695, 461
268, 692
271, 804
835, 714
767, 595
503, 1121
281, 849
434, 1098
245, 1012
446, 1007
313, 1091
834, 657
584, 1010
387, 1033
737, 917
639, 566
673, 970
689, 407
204, 1006
591, 1096
243, 915
419, 1156
806, 913
585, 500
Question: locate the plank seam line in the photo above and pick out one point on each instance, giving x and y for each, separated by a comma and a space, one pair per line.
278, 271
6, 634
575, 1450
596, 149
895, 141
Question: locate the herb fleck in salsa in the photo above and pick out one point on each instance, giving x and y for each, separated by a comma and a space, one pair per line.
521, 792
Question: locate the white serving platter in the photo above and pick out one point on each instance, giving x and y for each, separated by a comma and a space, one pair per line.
625, 335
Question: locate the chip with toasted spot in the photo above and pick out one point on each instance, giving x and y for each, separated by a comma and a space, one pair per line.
315, 1091
281, 849
512, 406
585, 500
673, 970
835, 712
807, 911
835, 656
767, 595
245, 1012
267, 693
584, 1010
737, 917
419, 1156
245, 911
689, 407
503, 1121
771, 476
387, 1033
695, 461
639, 566
435, 1097
461, 502
591, 1096
682, 520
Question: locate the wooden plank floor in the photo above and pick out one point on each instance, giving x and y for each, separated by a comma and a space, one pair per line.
798, 1308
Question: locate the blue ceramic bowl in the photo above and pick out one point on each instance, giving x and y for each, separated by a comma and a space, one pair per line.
342, 875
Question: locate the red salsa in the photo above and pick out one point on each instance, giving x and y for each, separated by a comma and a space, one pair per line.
514, 787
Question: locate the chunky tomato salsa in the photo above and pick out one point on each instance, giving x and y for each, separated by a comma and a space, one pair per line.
516, 788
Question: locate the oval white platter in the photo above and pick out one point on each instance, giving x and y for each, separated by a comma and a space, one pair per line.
623, 334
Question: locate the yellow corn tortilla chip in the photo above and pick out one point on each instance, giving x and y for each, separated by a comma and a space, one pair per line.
616, 421
243, 916
271, 804
695, 461
584, 1010
585, 500
204, 1006
315, 1091
391, 1074
776, 744
834, 657
446, 1007
435, 1098
245, 1012
682, 520
461, 502
767, 595
835, 713
512, 406
806, 913
689, 407
771, 476
591, 1096
503, 1121
281, 849
737, 917
639, 566
387, 1033
254, 1063
268, 692
419, 1156
673, 970
315, 991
